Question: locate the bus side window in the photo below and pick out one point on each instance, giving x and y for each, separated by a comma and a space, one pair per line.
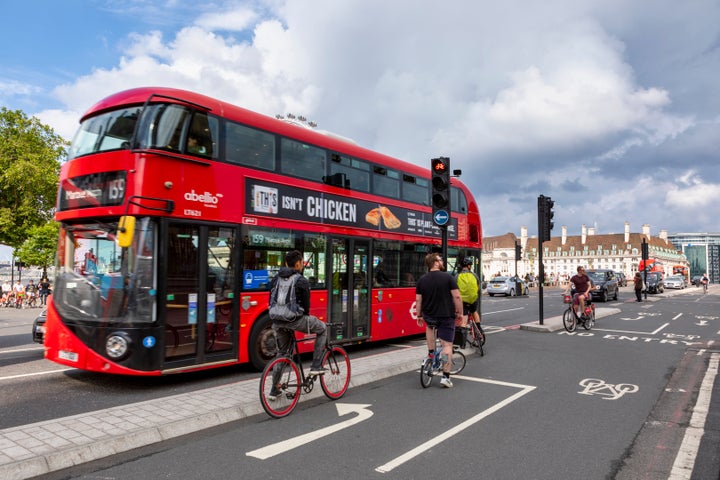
247, 146
302, 160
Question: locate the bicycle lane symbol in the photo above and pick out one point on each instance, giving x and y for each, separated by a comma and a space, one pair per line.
594, 386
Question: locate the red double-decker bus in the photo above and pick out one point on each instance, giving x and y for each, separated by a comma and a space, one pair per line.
682, 270
651, 265
177, 209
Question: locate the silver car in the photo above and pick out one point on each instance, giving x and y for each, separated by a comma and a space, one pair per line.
675, 281
507, 286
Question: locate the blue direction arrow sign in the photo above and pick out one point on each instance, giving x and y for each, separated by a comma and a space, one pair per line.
441, 218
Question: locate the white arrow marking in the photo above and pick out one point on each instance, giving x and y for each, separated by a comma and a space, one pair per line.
342, 408
702, 323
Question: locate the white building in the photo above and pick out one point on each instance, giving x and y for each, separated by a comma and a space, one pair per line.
562, 255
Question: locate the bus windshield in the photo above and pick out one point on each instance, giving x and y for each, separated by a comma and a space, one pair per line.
99, 281
109, 131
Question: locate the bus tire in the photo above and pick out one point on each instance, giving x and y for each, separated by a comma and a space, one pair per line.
262, 346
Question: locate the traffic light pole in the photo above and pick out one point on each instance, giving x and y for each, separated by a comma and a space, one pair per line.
542, 281
645, 254
444, 244
545, 226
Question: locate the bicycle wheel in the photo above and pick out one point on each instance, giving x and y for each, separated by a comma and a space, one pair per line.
589, 321
336, 380
280, 396
458, 362
569, 320
426, 373
477, 337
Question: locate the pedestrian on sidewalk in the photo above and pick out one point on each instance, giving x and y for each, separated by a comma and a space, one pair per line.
638, 283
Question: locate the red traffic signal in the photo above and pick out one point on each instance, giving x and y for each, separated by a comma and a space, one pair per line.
440, 165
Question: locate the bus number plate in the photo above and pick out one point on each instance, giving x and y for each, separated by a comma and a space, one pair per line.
69, 356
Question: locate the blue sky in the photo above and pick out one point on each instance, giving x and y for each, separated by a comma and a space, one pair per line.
609, 107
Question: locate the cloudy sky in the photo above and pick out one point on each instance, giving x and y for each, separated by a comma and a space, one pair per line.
610, 107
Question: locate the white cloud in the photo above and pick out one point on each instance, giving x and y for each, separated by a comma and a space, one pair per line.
232, 19
522, 96
691, 193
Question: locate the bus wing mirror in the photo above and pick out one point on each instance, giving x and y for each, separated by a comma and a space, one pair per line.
126, 231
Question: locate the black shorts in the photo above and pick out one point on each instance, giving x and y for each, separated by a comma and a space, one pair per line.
445, 327
469, 308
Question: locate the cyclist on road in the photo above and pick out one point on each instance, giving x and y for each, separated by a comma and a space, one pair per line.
439, 305
583, 286
704, 282
19, 291
31, 290
468, 285
307, 323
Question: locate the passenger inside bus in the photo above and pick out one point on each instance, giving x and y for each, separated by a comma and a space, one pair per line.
194, 146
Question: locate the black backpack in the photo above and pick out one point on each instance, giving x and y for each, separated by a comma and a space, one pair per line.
283, 301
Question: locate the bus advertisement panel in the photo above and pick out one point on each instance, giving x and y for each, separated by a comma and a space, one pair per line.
176, 211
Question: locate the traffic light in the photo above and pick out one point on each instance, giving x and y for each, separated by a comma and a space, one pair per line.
440, 195
545, 216
518, 252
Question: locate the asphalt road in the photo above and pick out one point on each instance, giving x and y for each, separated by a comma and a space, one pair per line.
613, 402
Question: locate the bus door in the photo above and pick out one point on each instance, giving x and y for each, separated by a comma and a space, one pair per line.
200, 301
349, 289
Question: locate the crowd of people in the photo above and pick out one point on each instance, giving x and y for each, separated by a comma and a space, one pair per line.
25, 296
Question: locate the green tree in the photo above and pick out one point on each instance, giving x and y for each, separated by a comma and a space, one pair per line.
30, 154
39, 248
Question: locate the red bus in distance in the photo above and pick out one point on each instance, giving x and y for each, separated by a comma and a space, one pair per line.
682, 270
652, 265
177, 209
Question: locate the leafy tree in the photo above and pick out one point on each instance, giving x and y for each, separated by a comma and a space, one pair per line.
30, 154
39, 248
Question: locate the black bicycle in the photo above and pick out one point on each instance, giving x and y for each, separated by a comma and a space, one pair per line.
571, 318
284, 379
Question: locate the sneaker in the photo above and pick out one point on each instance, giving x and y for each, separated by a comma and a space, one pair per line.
314, 371
274, 394
446, 382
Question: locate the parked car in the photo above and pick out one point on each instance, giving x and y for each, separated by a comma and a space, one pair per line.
38, 328
675, 281
605, 284
507, 286
654, 283
696, 280
621, 279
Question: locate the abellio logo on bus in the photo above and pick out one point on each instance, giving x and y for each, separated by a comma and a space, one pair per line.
207, 198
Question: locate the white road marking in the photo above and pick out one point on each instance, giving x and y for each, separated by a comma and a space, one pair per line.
458, 428
685, 460
47, 372
363, 413
13, 350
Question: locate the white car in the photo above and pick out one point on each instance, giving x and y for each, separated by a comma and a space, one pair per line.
675, 281
507, 286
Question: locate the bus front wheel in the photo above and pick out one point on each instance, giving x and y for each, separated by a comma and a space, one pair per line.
262, 345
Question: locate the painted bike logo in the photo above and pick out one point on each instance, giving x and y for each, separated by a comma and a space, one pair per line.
594, 386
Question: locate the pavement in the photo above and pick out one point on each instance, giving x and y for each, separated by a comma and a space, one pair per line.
39, 448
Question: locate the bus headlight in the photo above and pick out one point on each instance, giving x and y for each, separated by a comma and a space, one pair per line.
117, 346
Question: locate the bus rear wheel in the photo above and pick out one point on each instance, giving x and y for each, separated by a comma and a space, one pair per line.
262, 345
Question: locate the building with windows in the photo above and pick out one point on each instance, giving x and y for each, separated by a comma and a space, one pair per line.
702, 251
562, 255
